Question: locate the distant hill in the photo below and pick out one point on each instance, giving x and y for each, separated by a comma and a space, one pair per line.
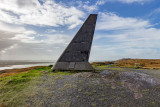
133, 63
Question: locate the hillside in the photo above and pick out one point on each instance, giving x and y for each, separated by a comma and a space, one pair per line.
107, 87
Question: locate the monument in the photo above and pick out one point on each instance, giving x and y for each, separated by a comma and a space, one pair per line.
76, 55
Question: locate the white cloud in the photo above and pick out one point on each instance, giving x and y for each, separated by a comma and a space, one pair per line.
33, 52
154, 15
87, 6
14, 32
90, 8
10, 47
11, 28
50, 31
25, 38
132, 1
125, 37
57, 39
129, 37
17, 42
110, 21
100, 2
48, 49
124, 1
33, 13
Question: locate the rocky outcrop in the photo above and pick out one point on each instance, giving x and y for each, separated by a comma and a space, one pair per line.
134, 81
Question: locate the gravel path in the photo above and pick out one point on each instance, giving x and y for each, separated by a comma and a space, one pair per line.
109, 88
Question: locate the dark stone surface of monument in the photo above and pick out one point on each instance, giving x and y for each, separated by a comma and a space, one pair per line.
76, 55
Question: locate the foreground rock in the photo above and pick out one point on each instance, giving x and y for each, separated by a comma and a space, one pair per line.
104, 89
134, 81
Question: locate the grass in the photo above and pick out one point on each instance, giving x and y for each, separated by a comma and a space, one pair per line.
139, 63
61, 73
130, 63
103, 66
106, 67
15, 89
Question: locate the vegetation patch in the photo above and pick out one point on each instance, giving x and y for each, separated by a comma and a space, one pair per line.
44, 87
61, 73
15, 89
129, 63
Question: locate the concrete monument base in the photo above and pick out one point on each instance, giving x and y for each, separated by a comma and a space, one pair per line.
73, 66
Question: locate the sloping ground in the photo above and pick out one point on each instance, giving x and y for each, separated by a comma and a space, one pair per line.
14, 90
109, 88
9, 72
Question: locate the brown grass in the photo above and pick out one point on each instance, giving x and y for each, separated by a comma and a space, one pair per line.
9, 72
141, 63
103, 63
133, 63
2, 105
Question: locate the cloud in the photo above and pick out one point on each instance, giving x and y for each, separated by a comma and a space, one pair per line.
154, 14
110, 21
125, 1
32, 12
50, 31
125, 37
25, 3
49, 49
29, 29
12, 35
131, 1
90, 7
14, 32
17, 42
25, 38
57, 39
87, 6
10, 47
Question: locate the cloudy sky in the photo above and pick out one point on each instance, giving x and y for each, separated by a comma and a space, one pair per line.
41, 29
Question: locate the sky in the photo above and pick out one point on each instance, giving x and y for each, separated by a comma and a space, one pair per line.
42, 29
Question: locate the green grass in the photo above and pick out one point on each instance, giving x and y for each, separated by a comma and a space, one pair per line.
14, 89
61, 73
108, 67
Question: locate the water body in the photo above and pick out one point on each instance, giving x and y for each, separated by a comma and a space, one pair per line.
23, 64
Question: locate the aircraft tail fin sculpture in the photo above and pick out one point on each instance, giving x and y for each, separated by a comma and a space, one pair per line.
76, 55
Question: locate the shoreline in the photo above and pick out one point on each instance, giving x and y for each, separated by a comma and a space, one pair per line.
17, 66
10, 72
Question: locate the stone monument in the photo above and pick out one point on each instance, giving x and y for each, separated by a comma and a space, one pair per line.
76, 55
